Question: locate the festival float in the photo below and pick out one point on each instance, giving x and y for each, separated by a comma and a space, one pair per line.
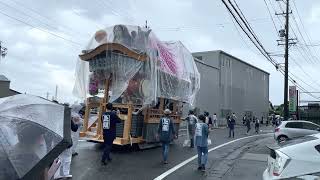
141, 75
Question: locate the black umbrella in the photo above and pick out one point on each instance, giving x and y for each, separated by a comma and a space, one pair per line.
33, 132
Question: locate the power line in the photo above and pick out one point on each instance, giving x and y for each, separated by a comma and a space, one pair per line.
274, 24
27, 15
222, 24
248, 31
245, 22
99, 26
304, 72
45, 17
113, 11
306, 49
299, 31
302, 89
121, 11
300, 19
301, 49
259, 45
43, 30
242, 39
298, 78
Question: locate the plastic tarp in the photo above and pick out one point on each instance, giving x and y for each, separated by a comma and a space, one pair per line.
30, 127
169, 71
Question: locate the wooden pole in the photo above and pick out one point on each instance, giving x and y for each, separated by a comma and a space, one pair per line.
86, 116
127, 122
103, 104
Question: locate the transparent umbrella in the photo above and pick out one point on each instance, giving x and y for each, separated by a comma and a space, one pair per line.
33, 132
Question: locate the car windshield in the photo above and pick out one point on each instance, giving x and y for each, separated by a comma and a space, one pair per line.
297, 141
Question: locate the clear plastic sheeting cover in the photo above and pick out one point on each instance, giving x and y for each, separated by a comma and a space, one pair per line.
169, 71
30, 127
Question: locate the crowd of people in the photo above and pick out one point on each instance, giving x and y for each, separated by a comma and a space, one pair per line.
198, 128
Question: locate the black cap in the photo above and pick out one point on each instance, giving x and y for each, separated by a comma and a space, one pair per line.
202, 117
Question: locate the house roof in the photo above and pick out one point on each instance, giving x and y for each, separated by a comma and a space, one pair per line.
3, 78
14, 91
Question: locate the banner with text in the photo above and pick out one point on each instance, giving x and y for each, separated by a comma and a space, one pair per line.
292, 99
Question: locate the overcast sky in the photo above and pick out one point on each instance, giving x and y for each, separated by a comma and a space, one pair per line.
47, 36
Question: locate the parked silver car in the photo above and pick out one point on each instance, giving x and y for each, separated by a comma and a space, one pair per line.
293, 129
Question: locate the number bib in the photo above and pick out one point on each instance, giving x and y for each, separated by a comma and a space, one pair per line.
165, 125
198, 131
106, 121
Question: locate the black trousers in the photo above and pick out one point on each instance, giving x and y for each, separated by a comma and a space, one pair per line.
248, 129
231, 131
107, 149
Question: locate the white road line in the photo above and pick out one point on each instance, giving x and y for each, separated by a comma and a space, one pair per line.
167, 173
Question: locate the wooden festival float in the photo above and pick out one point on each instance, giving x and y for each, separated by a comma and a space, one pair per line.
141, 76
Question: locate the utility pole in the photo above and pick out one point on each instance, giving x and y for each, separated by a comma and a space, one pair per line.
284, 36
56, 94
146, 26
286, 70
297, 94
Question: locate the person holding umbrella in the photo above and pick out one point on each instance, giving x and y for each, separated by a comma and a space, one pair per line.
109, 121
29, 147
165, 131
34, 131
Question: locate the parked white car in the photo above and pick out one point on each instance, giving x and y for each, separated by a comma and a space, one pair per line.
294, 159
293, 129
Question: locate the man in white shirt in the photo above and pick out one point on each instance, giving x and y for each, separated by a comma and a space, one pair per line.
215, 120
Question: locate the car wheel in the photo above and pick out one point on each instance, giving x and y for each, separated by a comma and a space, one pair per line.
282, 139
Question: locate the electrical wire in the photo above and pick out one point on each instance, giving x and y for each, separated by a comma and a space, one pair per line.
69, 29
304, 72
247, 29
41, 29
274, 24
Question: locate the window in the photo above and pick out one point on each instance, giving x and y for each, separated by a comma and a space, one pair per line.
294, 125
310, 126
297, 141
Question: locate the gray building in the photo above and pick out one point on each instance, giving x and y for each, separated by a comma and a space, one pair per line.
5, 90
229, 84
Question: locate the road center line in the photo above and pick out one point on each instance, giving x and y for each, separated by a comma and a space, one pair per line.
170, 171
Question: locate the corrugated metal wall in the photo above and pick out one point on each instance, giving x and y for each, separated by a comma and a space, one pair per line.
231, 85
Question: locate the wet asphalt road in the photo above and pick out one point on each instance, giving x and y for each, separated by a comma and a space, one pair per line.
146, 164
